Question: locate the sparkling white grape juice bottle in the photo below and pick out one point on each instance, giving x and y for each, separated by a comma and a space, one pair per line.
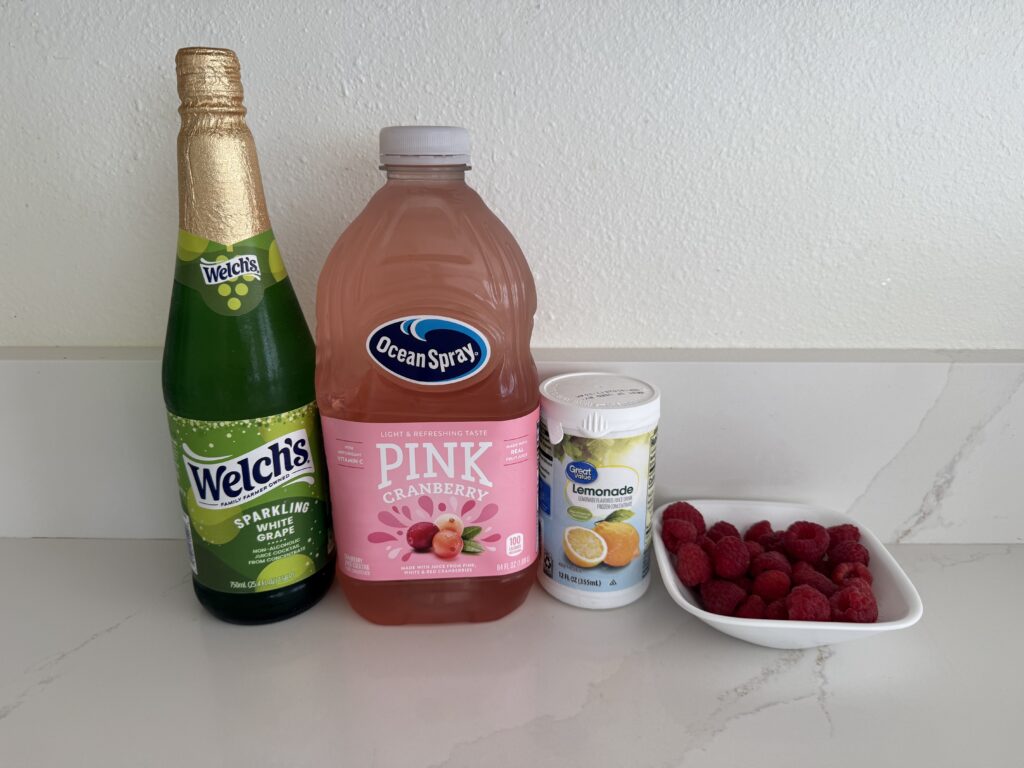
429, 394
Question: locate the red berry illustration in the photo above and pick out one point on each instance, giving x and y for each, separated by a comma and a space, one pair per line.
450, 522
447, 544
420, 536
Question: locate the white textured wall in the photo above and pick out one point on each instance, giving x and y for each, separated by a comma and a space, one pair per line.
697, 174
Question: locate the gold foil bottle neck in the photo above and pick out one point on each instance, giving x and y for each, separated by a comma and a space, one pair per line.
210, 80
220, 193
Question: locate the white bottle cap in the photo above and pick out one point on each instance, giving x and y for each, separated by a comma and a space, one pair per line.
598, 405
424, 145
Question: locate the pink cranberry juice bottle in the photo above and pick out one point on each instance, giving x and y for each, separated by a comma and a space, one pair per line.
429, 394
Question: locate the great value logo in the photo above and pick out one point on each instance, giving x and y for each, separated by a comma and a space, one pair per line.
429, 349
219, 482
217, 272
581, 472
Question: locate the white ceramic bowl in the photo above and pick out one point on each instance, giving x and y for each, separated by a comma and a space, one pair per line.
899, 605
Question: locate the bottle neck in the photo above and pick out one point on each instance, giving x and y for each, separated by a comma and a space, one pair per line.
220, 192
426, 174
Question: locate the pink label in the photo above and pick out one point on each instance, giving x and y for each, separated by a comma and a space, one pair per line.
433, 500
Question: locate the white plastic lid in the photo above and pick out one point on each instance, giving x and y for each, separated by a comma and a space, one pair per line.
424, 145
598, 404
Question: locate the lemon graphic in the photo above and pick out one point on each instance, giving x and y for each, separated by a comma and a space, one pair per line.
215, 526
583, 547
190, 247
283, 572
623, 542
276, 263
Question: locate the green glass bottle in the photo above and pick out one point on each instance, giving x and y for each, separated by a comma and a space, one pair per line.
238, 372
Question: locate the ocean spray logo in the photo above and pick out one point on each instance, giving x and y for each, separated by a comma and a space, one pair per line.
429, 349
217, 272
581, 472
219, 482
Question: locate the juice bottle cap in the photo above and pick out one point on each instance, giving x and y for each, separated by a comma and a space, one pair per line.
424, 145
598, 404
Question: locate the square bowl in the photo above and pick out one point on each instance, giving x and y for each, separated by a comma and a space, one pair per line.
899, 605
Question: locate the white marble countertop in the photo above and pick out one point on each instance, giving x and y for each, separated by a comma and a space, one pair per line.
107, 659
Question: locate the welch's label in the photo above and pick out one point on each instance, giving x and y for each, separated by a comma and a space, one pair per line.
254, 499
429, 349
230, 278
219, 482
217, 272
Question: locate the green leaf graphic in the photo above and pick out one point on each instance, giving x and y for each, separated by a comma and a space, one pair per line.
470, 532
619, 516
472, 548
579, 513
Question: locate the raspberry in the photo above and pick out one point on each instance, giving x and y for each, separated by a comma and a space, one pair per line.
804, 573
802, 570
860, 584
853, 604
806, 541
707, 545
849, 552
751, 608
776, 610
757, 530
721, 529
770, 561
721, 597
693, 566
771, 585
676, 532
773, 542
754, 549
805, 603
731, 557
844, 532
743, 583
683, 510
822, 566
844, 572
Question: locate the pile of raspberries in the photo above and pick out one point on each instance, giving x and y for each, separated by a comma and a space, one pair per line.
804, 573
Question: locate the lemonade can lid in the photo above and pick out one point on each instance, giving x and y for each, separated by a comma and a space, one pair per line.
595, 404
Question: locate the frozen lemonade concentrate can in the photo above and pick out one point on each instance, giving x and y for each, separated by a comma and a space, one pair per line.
598, 433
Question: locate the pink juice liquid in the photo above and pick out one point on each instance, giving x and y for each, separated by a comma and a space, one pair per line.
426, 246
